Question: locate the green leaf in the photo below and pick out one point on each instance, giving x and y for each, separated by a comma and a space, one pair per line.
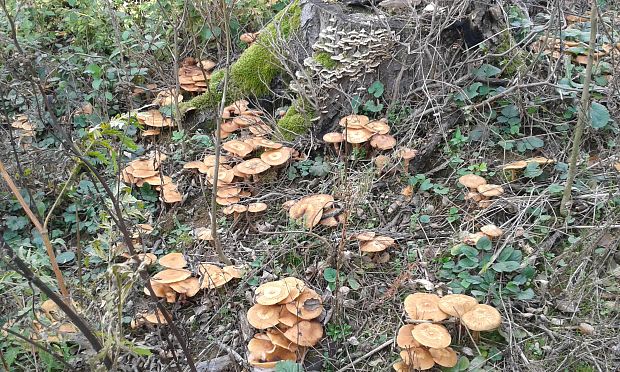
599, 116
486, 71
484, 243
288, 366
65, 257
330, 275
506, 266
425, 218
356, 103
319, 169
353, 283
510, 111
376, 89
528, 294
532, 170
533, 143
426, 185
373, 106
16, 223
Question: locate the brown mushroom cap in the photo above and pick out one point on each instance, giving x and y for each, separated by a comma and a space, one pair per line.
271, 293
365, 236
305, 333
401, 366
276, 157
423, 306
173, 261
203, 233
383, 141
227, 201
432, 335
234, 208
446, 357
257, 207
472, 239
277, 338
407, 153
188, 287
264, 142
491, 231
310, 208
170, 193
287, 319
521, 164
209, 160
213, 276
378, 244
456, 304
378, 126
295, 287
196, 164
472, 181
405, 339
333, 137
168, 276
151, 132
482, 318
223, 175
359, 135
262, 316
253, 166
155, 318
489, 190
228, 191
238, 148
147, 258
473, 195
354, 121
307, 306
417, 358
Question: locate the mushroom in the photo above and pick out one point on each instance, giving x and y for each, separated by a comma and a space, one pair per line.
376, 244
472, 239
432, 335
203, 233
276, 157
249, 37
383, 141
456, 304
423, 306
235, 210
173, 261
307, 305
354, 121
381, 162
168, 276
357, 136
481, 318
305, 333
277, 338
514, 166
405, 339
445, 357
335, 138
271, 293
417, 358
155, 318
288, 319
188, 287
407, 154
213, 276
310, 209
264, 142
263, 316
378, 126
472, 181
238, 148
489, 190
491, 231
295, 287
170, 193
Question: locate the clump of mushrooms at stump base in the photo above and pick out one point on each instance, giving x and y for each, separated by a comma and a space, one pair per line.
286, 313
426, 342
479, 190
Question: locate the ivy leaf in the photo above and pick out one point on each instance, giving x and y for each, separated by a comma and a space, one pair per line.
65, 257
486, 71
532, 170
373, 106
288, 366
330, 274
376, 89
426, 185
484, 244
506, 266
319, 169
16, 223
532, 143
599, 116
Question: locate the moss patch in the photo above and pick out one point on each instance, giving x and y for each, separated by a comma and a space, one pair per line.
325, 59
296, 121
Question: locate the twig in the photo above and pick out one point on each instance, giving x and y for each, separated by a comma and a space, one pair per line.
233, 354
371, 352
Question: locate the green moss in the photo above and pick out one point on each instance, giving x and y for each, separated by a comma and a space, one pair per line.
513, 62
296, 121
325, 59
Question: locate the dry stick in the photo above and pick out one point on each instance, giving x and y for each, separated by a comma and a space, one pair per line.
22, 268
583, 115
371, 352
218, 146
42, 230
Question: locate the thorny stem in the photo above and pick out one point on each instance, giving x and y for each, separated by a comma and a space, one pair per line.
583, 114
218, 142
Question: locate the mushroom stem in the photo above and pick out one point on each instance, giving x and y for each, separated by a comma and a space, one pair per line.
406, 165
476, 336
337, 148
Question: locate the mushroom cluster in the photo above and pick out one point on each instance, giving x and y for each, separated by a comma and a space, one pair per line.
25, 130
358, 130
194, 75
175, 279
427, 343
374, 245
286, 313
315, 209
479, 190
146, 170
490, 231
522, 164
238, 116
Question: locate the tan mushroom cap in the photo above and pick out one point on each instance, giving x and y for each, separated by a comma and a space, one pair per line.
276, 157
260, 344
360, 135
472, 181
238, 148
311, 208
541, 160
271, 358
295, 287
446, 357
206, 64
232, 271
354, 121
168, 276
365, 236
472, 239
432, 335
188, 287
237, 107
378, 244
196, 164
203, 233
404, 338
456, 304
234, 208
407, 153
158, 180
491, 231
401, 366
173, 261
249, 37
159, 289
277, 338
482, 318
489, 190
423, 306
417, 358
271, 293
305, 333
473, 195
521, 164
383, 141
209, 160
142, 173
224, 175
307, 306
287, 319
257, 207
228, 191
227, 201
147, 258
253, 166
333, 137
213, 276
262, 316
151, 132
264, 142
378, 126
155, 318
170, 193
